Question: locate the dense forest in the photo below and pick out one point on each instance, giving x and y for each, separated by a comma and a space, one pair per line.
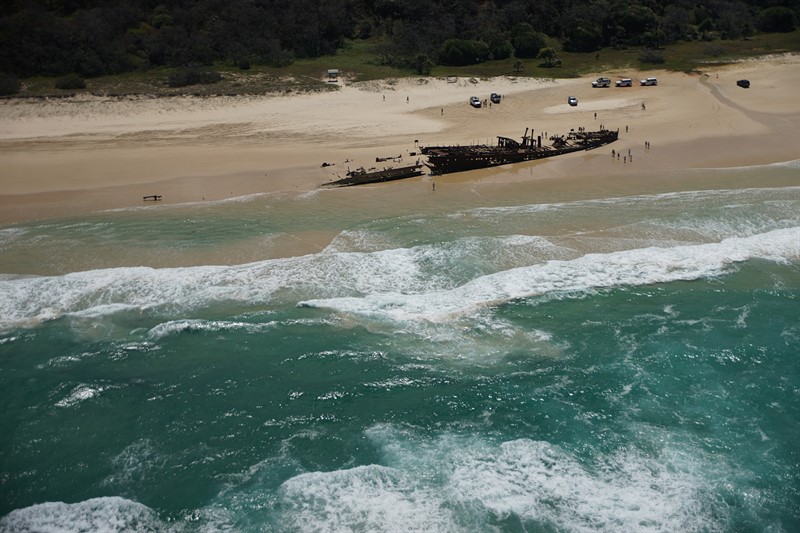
97, 37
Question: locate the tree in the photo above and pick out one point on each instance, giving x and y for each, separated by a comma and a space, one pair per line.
653, 39
161, 17
548, 54
423, 64
676, 23
95, 37
777, 19
459, 52
705, 27
528, 44
735, 21
583, 38
499, 45
636, 19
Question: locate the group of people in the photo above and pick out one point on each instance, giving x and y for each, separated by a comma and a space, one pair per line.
616, 155
625, 158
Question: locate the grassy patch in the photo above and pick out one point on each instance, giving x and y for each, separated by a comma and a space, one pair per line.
358, 60
258, 80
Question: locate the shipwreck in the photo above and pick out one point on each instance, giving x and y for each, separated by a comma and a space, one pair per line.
448, 159
362, 176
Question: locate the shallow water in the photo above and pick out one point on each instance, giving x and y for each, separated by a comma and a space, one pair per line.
452, 362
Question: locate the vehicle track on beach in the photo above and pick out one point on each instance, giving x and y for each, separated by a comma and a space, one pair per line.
770, 120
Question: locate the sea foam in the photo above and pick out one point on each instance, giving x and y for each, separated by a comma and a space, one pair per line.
589, 272
428, 282
364, 498
107, 514
467, 483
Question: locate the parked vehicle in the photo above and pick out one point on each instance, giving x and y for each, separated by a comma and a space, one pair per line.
744, 84
495, 98
572, 101
649, 81
625, 82
601, 82
474, 101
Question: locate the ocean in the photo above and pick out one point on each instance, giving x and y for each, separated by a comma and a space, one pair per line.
474, 357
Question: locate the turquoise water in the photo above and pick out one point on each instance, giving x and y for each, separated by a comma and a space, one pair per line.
454, 362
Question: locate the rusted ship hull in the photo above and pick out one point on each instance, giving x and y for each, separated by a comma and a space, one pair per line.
449, 159
362, 176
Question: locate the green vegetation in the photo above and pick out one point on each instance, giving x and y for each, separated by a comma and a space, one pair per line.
70, 82
357, 61
184, 78
9, 84
206, 47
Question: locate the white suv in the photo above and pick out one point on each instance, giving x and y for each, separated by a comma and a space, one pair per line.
601, 82
626, 82
649, 81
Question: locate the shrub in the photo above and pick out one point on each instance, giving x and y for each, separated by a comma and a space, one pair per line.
193, 77
70, 81
9, 84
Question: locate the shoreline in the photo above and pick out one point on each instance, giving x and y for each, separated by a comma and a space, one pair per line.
78, 157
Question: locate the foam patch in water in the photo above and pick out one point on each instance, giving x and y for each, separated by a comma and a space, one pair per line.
81, 393
365, 498
456, 483
590, 272
98, 514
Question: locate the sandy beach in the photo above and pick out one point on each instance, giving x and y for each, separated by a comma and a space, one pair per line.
84, 154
